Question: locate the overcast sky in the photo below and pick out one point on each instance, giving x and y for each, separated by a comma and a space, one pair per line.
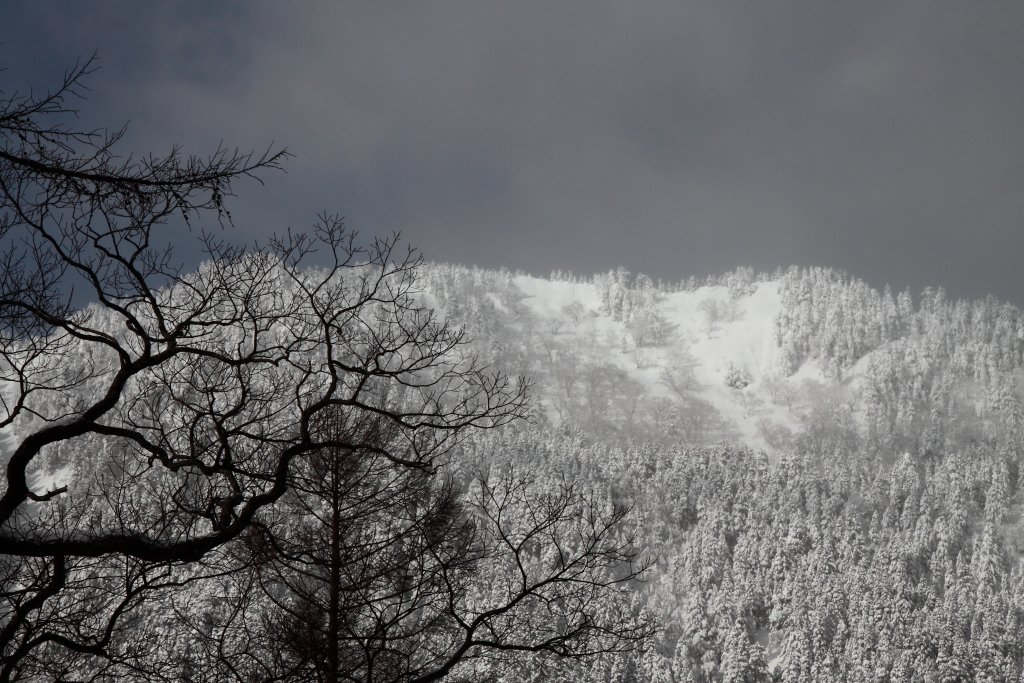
672, 138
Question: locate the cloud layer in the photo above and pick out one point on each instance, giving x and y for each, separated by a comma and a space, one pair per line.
884, 138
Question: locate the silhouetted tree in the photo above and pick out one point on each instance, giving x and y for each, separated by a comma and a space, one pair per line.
172, 410
370, 572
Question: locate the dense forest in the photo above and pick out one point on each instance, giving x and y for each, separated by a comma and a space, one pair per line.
881, 540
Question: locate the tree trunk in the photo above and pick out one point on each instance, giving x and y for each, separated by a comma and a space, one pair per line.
333, 626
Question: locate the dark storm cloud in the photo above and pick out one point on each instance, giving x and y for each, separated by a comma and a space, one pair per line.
884, 138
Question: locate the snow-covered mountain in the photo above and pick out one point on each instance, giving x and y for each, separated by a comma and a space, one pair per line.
880, 538
757, 360
826, 477
740, 340
796, 360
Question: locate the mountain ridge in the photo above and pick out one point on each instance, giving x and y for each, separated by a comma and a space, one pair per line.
791, 340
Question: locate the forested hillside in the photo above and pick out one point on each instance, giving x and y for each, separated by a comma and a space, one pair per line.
826, 474
788, 477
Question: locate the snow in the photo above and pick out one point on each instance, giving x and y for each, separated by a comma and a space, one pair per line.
745, 339
7, 442
38, 481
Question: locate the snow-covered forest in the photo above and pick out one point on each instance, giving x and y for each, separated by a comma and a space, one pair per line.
815, 481
826, 474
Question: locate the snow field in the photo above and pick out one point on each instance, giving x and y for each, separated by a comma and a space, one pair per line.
744, 338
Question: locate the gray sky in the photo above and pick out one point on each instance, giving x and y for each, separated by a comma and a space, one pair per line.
673, 138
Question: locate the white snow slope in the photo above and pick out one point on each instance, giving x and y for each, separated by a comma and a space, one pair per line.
744, 339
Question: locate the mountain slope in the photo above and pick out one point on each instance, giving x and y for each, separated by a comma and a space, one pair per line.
744, 338
763, 361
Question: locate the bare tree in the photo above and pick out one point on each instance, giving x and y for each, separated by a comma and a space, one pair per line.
379, 573
599, 381
781, 390
749, 401
627, 396
351, 573
678, 372
566, 372
699, 421
574, 311
714, 313
553, 561
150, 428
777, 436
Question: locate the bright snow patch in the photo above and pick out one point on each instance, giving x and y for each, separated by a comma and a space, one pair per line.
744, 338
